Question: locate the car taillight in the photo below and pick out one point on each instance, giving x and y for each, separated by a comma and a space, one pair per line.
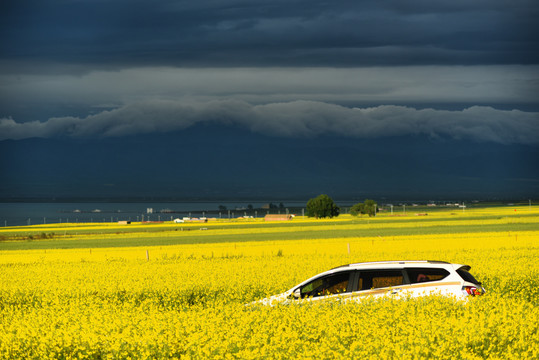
472, 290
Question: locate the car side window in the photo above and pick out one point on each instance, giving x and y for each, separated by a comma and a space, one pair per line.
418, 275
327, 285
379, 279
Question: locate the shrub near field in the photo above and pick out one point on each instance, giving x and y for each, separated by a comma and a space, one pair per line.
187, 301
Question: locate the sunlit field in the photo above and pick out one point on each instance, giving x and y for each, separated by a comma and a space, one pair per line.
109, 291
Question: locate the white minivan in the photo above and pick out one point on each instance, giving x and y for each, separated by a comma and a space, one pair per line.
354, 282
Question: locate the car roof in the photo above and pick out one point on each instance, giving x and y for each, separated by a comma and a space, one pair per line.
397, 264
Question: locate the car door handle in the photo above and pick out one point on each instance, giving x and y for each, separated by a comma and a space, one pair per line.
394, 291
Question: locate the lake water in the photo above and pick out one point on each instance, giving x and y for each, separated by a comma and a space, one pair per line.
26, 213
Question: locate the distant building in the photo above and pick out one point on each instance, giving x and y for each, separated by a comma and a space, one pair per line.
278, 217
187, 219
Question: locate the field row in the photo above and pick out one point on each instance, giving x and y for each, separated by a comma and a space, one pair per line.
114, 235
411, 218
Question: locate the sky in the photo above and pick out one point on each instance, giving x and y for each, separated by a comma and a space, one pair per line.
351, 98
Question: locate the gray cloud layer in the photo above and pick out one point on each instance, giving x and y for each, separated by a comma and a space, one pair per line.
290, 119
27, 97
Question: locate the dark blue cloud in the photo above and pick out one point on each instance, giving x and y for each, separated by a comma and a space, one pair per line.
278, 33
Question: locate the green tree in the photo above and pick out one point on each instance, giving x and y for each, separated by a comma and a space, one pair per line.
370, 207
357, 209
321, 207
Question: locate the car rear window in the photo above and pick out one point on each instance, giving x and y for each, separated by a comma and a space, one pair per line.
466, 276
418, 275
379, 279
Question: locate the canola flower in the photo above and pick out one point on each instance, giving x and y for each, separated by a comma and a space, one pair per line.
188, 301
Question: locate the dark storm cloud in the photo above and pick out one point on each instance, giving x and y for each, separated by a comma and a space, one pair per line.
292, 119
102, 77
258, 33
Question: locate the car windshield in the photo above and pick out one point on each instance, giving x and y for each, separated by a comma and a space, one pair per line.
466, 276
327, 285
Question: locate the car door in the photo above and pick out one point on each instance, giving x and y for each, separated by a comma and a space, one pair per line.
377, 283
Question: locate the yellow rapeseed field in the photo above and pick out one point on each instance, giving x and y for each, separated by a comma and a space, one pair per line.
188, 301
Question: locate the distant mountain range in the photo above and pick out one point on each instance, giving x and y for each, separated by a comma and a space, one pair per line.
214, 162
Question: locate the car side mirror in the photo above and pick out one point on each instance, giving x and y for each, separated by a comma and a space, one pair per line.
297, 293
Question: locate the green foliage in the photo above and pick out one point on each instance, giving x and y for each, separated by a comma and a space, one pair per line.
357, 209
368, 207
321, 207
